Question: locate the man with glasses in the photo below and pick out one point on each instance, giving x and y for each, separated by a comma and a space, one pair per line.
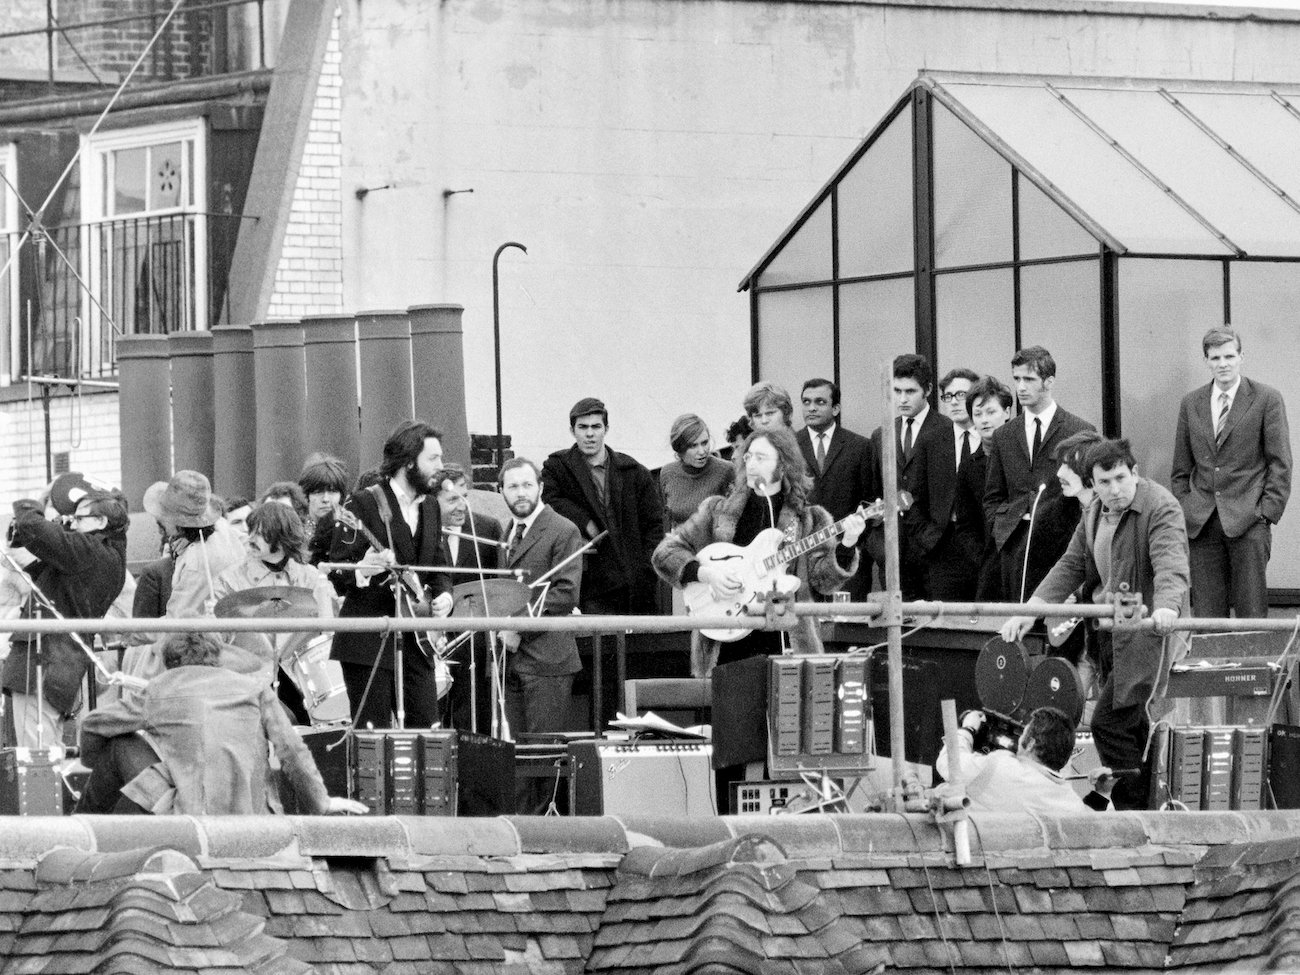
951, 568
80, 569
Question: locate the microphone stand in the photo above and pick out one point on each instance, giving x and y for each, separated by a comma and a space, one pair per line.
1029, 538
110, 677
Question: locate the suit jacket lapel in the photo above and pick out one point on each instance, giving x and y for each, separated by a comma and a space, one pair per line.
833, 448
1240, 404
531, 537
1201, 408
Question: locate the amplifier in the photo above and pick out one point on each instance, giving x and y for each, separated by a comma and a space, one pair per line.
433, 773
766, 798
1284, 766
819, 715
659, 778
30, 784
1211, 768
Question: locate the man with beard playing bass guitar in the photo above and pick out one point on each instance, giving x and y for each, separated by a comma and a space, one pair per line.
401, 514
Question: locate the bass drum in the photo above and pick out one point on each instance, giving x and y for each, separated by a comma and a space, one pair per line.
320, 681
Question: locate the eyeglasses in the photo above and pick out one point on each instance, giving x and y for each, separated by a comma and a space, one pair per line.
750, 455
954, 396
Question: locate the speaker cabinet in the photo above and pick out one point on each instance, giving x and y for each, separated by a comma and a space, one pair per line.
661, 778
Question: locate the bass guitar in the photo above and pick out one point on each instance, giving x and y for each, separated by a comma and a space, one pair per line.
760, 566
411, 597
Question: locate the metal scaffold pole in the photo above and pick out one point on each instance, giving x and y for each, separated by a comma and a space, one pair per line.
892, 609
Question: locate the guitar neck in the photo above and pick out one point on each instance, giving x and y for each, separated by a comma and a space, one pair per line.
788, 553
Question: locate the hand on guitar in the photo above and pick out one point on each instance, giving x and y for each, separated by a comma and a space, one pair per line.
374, 562
854, 525
441, 605
724, 583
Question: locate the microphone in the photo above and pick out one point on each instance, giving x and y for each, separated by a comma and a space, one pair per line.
475, 538
1029, 538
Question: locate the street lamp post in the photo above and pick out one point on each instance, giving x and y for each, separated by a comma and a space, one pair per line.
496, 334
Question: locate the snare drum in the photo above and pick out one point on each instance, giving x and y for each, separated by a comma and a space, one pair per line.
320, 680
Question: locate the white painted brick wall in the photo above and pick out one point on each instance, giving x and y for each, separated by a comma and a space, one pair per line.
86, 428
308, 277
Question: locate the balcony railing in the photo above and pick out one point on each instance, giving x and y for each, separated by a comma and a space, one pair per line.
82, 285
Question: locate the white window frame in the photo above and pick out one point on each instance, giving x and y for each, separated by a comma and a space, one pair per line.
9, 344
95, 151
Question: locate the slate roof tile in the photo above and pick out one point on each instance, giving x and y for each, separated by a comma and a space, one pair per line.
1032, 900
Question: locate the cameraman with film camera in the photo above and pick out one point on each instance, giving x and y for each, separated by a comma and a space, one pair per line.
1029, 779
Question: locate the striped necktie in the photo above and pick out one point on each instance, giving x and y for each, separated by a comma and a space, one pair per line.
1221, 422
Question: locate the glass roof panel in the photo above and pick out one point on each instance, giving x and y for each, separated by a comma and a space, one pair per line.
1033, 123
1259, 128
875, 201
806, 256
972, 196
1045, 229
1195, 167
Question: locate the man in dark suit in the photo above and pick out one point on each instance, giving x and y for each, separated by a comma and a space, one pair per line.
599, 489
468, 543
1021, 489
541, 666
915, 422
402, 514
951, 563
1232, 475
839, 461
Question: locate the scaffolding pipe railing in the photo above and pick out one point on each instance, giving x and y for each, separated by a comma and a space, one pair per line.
918, 613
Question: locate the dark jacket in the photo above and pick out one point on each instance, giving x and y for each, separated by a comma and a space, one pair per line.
1149, 552
1248, 477
549, 542
376, 599
633, 517
847, 480
1012, 484
81, 575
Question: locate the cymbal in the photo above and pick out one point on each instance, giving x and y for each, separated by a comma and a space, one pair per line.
505, 597
267, 601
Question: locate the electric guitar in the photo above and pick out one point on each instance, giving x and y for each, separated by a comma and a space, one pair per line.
411, 596
760, 567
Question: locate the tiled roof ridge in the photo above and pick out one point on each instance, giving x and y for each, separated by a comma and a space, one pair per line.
297, 840
144, 909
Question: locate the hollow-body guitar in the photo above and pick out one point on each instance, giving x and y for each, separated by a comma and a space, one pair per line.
760, 565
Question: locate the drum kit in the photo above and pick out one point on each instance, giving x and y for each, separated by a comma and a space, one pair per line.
320, 679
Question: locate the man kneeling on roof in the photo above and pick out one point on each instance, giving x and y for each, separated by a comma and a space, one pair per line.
1029, 779
200, 740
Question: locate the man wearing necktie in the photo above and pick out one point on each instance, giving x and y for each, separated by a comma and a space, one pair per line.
541, 666
1021, 491
1232, 475
915, 422
839, 461
951, 563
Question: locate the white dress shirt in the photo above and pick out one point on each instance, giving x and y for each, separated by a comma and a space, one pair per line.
1046, 416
